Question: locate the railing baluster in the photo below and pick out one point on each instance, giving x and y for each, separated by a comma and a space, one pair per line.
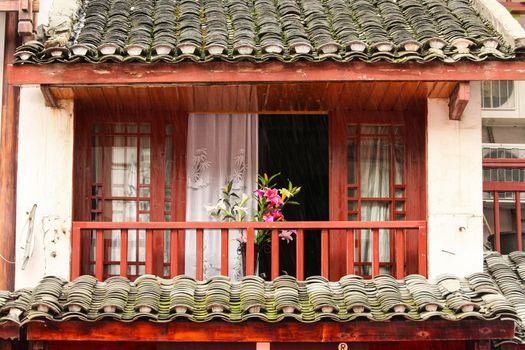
422, 239
123, 252
250, 254
224, 251
324, 253
497, 243
299, 255
99, 262
174, 251
399, 253
518, 221
275, 254
149, 251
76, 256
375, 252
199, 253
350, 246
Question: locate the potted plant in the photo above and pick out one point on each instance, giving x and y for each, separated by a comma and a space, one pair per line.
270, 202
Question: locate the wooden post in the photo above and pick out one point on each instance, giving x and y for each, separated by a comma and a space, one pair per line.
8, 162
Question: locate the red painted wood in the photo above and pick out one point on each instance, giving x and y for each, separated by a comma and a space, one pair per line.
76, 256
8, 160
324, 253
199, 251
130, 345
9, 330
503, 163
269, 72
338, 190
250, 253
423, 250
458, 100
500, 186
149, 251
174, 250
255, 225
124, 252
417, 229
517, 8
350, 250
497, 227
519, 238
292, 331
399, 253
375, 252
99, 264
224, 251
299, 254
275, 254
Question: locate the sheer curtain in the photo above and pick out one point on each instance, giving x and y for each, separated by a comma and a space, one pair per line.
220, 148
375, 156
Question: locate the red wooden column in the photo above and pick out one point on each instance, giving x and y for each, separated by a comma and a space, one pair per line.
337, 191
8, 161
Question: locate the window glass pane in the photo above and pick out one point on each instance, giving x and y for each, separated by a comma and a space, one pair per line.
145, 152
375, 168
123, 210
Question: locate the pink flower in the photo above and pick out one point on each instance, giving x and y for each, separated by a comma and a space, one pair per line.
268, 217
259, 193
286, 235
276, 215
272, 195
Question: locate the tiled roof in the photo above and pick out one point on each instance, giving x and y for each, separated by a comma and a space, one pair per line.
351, 298
508, 271
284, 30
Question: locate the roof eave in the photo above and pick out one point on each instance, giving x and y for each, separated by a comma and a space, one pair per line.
259, 73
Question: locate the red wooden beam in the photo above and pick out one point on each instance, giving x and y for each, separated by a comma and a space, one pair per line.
8, 163
9, 5
517, 8
267, 72
501, 186
258, 331
504, 163
9, 330
458, 100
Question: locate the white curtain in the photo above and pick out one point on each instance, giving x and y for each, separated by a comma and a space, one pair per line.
375, 156
220, 148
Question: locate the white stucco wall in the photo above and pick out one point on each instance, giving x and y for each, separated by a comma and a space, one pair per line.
455, 215
45, 165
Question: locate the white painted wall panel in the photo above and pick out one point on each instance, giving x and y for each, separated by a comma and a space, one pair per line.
45, 165
455, 216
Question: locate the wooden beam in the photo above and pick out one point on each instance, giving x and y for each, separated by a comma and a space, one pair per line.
9, 5
258, 331
49, 97
268, 72
458, 100
504, 163
9, 331
8, 163
516, 8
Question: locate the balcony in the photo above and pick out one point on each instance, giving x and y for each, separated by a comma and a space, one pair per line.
164, 243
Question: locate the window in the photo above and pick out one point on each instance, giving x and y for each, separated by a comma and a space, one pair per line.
498, 94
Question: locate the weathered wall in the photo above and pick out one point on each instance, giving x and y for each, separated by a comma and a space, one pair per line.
45, 163
455, 216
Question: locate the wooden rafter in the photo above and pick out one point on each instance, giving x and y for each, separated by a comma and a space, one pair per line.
287, 331
458, 100
268, 72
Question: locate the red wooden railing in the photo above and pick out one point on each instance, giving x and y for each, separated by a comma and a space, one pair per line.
495, 188
398, 232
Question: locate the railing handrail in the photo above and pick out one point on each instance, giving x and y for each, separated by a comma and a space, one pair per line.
257, 225
351, 229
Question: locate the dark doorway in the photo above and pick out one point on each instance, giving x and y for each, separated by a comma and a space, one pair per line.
297, 147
